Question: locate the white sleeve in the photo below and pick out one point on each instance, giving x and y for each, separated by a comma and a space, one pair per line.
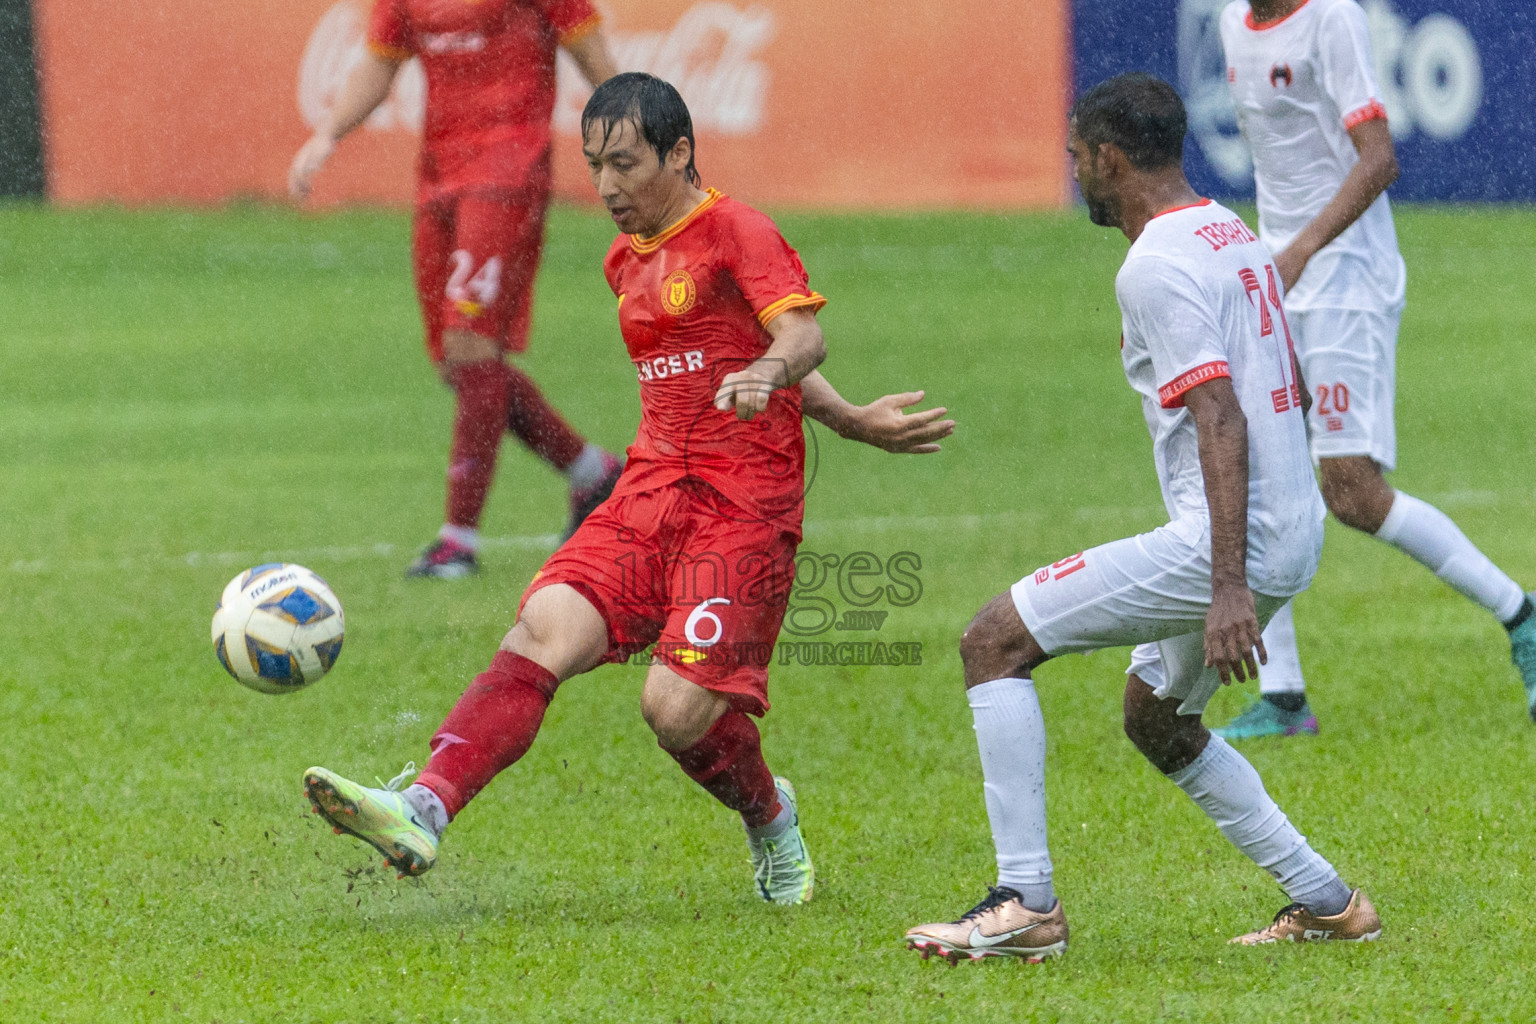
1228, 24
1230, 28
1348, 69
1166, 309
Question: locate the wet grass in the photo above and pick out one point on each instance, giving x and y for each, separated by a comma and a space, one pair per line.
187, 394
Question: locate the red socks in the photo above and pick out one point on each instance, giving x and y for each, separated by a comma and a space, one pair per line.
536, 423
494, 723
493, 397
489, 729
484, 391
728, 763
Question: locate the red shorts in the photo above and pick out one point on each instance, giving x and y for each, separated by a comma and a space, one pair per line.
677, 567
475, 255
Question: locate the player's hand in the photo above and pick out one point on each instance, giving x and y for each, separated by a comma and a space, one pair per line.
307, 163
1289, 263
883, 424
747, 391
1232, 635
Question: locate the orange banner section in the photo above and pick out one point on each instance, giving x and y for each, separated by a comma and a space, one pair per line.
821, 103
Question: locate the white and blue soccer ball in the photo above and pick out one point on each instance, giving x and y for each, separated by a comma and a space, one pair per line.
278, 628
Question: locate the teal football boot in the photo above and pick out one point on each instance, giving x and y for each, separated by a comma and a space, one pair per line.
1263, 718
1522, 651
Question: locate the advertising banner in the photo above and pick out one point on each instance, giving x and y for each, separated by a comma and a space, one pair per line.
821, 103
1458, 78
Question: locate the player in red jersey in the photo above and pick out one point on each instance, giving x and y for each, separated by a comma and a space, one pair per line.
695, 550
483, 188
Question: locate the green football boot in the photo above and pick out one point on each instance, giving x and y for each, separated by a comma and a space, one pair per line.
1262, 718
781, 866
382, 818
1522, 651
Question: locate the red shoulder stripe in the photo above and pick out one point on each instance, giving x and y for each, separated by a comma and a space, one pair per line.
1171, 395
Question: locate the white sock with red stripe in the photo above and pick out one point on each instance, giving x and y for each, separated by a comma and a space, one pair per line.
1428, 536
1010, 732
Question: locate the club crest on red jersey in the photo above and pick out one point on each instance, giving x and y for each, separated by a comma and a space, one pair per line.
678, 293
1280, 73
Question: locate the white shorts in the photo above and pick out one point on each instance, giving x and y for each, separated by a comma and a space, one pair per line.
1152, 590
1349, 360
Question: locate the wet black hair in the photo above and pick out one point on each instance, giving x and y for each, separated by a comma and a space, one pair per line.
652, 104
1139, 113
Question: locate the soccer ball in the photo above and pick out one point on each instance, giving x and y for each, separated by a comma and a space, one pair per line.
278, 628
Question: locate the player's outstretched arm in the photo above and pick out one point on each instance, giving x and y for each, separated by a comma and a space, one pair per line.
1368, 179
797, 349
366, 87
590, 52
1232, 625
881, 423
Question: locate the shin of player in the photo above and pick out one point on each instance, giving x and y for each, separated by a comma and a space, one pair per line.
1206, 350
1303, 82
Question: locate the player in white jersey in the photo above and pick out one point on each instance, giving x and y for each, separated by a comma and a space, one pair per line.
1205, 345
1301, 76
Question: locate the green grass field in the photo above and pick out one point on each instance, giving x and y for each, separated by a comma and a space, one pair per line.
186, 395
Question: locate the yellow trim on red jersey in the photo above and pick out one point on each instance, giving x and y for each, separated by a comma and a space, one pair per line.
815, 301
646, 246
580, 29
388, 52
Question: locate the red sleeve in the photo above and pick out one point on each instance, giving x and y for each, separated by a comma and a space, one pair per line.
388, 34
766, 269
571, 19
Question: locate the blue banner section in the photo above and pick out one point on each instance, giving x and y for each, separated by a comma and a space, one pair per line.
1458, 77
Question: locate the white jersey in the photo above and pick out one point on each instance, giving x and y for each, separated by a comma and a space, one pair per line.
1200, 299
1300, 84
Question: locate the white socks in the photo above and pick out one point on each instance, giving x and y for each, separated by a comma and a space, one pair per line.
1282, 672
463, 536
1010, 732
429, 807
1427, 535
1230, 792
588, 470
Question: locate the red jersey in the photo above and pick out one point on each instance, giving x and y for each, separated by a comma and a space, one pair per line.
490, 67
693, 305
